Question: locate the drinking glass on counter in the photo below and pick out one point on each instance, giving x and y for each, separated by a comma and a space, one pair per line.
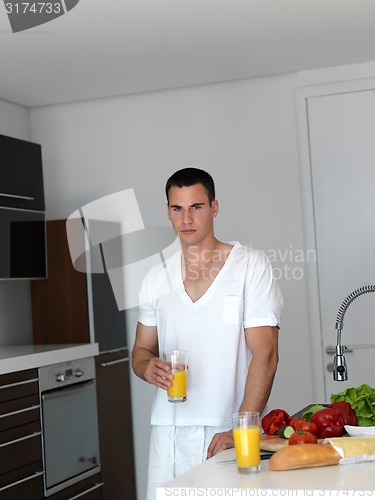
246, 433
177, 361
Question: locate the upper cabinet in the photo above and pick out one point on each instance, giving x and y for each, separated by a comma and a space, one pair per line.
22, 216
21, 180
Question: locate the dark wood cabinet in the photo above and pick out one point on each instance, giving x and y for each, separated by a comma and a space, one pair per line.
21, 468
59, 303
115, 425
22, 210
60, 310
21, 183
30, 489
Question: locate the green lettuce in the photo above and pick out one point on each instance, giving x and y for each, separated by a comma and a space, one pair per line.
361, 399
307, 414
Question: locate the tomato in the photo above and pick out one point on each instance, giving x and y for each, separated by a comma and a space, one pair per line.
305, 426
300, 437
296, 421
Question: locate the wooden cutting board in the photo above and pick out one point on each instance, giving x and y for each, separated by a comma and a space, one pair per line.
274, 443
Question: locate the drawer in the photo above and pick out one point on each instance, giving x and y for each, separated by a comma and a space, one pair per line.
19, 411
20, 453
88, 489
25, 482
15, 419
18, 390
15, 377
19, 432
32, 489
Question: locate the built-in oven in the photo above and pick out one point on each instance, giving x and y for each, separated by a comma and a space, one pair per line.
69, 423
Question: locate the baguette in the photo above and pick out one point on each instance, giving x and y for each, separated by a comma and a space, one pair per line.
298, 456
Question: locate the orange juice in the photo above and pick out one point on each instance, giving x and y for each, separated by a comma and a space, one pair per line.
178, 388
247, 445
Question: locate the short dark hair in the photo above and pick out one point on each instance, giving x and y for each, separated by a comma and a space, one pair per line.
188, 177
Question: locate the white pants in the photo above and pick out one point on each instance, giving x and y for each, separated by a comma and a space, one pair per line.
174, 450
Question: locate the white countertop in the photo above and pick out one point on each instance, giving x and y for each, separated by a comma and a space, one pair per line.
223, 478
24, 357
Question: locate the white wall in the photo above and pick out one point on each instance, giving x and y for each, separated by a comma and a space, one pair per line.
15, 305
244, 134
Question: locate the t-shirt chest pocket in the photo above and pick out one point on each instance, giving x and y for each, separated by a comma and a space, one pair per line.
233, 310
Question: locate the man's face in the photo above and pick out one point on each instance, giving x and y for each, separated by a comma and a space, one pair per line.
191, 214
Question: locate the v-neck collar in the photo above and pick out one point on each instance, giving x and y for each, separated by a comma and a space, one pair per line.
211, 289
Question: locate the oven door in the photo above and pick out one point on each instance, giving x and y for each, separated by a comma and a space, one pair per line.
70, 431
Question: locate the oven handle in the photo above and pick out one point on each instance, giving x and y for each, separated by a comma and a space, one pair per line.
61, 393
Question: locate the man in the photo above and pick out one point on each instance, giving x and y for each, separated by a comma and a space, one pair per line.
220, 303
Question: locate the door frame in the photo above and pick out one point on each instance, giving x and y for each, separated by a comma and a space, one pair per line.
302, 95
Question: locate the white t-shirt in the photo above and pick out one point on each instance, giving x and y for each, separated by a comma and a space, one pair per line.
211, 330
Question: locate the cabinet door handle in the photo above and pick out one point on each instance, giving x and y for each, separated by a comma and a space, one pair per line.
114, 362
16, 412
93, 488
16, 384
36, 434
22, 480
18, 196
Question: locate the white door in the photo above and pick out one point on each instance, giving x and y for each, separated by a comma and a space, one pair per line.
341, 130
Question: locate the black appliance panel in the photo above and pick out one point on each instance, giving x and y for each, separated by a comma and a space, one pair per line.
23, 244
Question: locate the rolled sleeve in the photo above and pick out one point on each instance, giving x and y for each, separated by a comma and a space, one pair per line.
263, 299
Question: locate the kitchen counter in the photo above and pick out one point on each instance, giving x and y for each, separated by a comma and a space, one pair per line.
214, 479
24, 357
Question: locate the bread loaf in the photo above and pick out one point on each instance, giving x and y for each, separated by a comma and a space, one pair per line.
299, 456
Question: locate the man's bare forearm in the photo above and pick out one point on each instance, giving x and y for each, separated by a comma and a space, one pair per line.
263, 344
259, 383
149, 367
140, 360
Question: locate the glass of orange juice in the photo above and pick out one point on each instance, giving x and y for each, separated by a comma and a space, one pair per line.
246, 433
177, 360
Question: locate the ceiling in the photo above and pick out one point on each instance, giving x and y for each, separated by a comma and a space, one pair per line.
102, 48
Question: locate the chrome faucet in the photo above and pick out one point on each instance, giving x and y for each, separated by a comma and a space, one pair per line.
340, 371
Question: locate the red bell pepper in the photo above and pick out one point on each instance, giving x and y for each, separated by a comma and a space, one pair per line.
329, 421
346, 411
274, 420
